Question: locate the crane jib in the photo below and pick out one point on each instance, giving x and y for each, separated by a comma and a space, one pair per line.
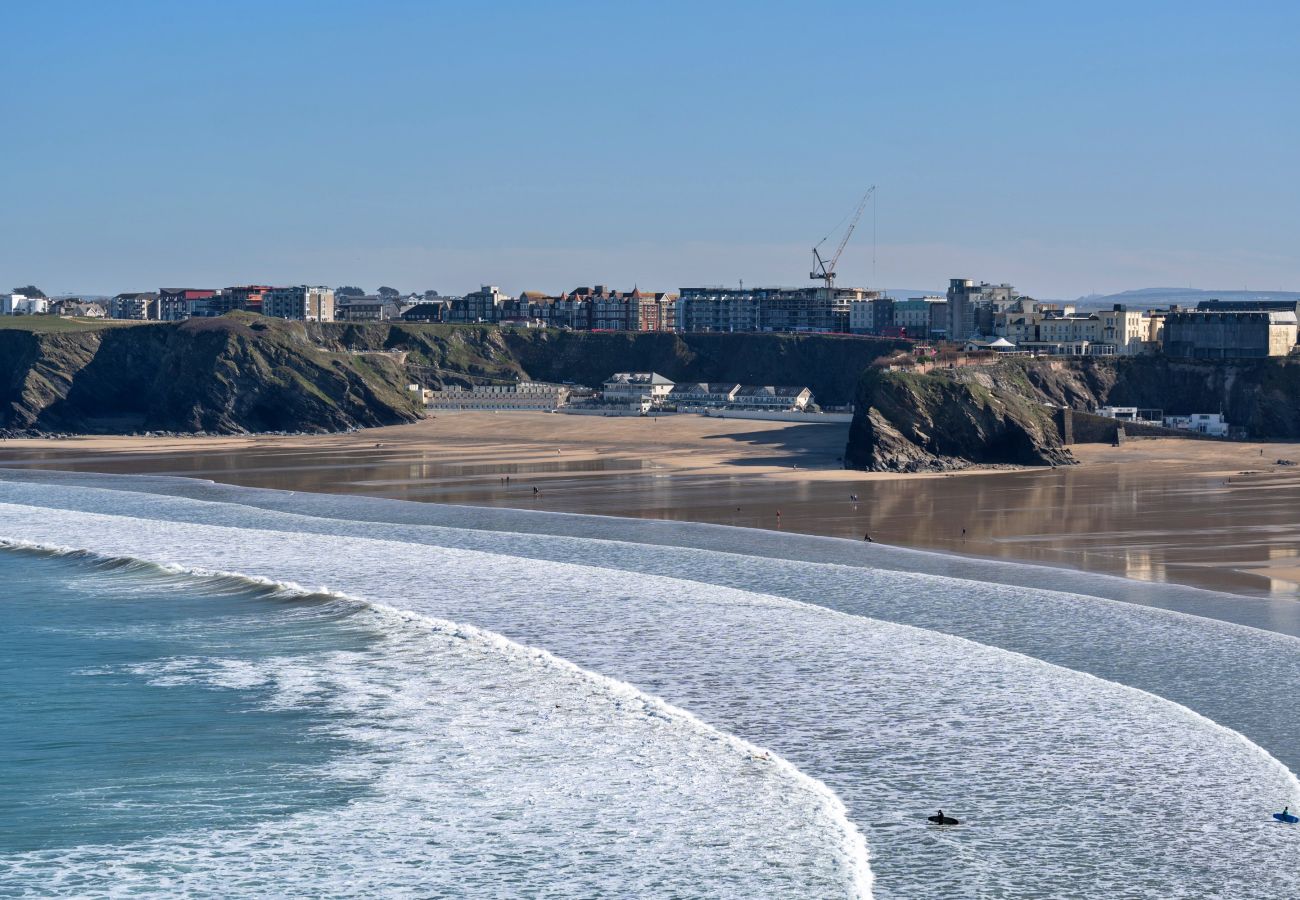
824, 270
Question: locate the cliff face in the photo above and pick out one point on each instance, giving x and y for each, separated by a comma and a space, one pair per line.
829, 364
1260, 395
230, 375
1003, 413
246, 373
950, 419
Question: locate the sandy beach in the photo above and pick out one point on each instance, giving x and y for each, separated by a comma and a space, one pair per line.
1209, 514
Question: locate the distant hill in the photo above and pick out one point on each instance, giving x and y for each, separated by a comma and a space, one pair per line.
1182, 296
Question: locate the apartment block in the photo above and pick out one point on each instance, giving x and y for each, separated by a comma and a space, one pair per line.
301, 302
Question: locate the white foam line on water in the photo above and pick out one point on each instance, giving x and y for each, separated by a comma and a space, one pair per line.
853, 847
219, 537
678, 534
646, 561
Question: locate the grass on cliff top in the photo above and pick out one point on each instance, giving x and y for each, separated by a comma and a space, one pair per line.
60, 325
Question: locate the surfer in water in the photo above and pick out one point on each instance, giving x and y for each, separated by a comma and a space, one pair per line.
941, 819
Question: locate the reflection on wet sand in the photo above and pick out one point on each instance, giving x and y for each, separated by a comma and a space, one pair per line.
1145, 517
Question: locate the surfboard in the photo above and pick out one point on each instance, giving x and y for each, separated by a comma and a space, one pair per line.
949, 820
1281, 817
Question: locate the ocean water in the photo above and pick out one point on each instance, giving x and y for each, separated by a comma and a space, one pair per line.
458, 704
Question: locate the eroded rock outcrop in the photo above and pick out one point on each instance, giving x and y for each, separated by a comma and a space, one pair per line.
236, 374
951, 419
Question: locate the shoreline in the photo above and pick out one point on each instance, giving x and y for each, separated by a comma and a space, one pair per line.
1203, 514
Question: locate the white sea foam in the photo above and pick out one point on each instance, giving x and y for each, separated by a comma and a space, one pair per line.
1232, 674
894, 719
493, 769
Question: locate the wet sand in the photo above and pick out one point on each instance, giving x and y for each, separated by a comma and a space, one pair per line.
1208, 514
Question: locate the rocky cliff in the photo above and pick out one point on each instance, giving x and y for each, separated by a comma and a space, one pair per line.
236, 374
246, 373
1259, 395
829, 364
950, 419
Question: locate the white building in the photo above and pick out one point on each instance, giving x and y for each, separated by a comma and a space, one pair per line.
20, 305
771, 397
646, 389
1131, 414
1204, 423
713, 395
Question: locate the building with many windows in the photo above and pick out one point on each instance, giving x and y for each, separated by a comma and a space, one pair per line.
699, 394
524, 395
773, 397
917, 315
644, 389
301, 302
971, 306
811, 309
483, 305
862, 316
176, 304
140, 306
248, 297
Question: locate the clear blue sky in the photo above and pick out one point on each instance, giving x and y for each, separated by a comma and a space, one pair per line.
1065, 148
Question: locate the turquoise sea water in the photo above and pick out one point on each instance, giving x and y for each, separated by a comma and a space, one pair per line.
213, 691
99, 746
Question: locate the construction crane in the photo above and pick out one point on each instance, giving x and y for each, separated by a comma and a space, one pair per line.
824, 270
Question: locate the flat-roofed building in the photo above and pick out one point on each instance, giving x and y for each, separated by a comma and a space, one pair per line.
177, 304
917, 315
1128, 329
1203, 423
811, 309
301, 302
1204, 334
246, 297
483, 305
862, 316
939, 319
971, 306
